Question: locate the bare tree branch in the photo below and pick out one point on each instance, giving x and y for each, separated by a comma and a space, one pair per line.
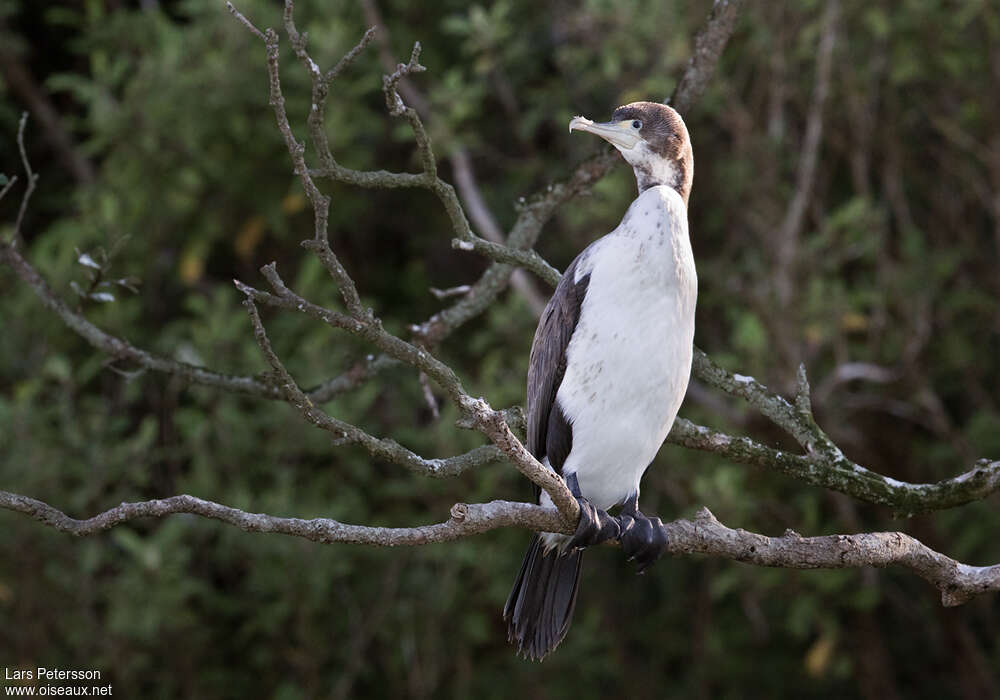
461, 163
8, 187
466, 519
32, 181
957, 582
369, 329
245, 22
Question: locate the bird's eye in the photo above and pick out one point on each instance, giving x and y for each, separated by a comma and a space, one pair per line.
637, 124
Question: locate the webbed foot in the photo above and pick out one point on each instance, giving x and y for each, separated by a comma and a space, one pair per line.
595, 525
643, 539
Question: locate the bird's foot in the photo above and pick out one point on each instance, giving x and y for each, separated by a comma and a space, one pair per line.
595, 526
643, 539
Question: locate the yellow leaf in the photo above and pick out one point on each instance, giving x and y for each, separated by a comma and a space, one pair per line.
192, 265
293, 203
853, 321
250, 236
818, 657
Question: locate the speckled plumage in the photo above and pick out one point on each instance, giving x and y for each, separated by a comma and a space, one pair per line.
629, 360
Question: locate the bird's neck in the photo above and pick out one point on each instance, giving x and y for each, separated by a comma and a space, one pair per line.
676, 174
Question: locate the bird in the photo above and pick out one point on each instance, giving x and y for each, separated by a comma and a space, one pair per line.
608, 370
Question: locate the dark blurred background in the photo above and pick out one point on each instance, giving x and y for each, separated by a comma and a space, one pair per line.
150, 128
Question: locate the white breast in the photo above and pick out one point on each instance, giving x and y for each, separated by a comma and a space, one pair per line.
629, 361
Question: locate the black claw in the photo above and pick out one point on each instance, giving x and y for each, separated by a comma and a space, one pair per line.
595, 526
643, 539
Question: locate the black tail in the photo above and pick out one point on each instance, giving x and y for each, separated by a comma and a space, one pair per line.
540, 606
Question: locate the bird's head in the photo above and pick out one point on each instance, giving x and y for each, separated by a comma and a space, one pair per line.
653, 140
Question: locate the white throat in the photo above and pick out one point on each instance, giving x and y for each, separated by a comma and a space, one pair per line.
651, 169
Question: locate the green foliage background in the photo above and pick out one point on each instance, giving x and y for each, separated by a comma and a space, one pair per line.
898, 267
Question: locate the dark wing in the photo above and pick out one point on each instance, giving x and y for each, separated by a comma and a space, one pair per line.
549, 432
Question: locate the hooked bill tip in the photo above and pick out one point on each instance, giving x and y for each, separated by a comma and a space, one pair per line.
576, 122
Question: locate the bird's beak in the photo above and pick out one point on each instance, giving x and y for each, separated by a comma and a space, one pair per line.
621, 135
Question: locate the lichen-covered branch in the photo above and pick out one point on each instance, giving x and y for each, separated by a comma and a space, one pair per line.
348, 433
823, 463
368, 329
704, 534
976, 484
957, 582
475, 412
466, 519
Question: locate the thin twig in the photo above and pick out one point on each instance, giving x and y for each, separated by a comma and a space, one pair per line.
6, 188
320, 203
452, 292
485, 222
429, 398
461, 163
32, 180
245, 22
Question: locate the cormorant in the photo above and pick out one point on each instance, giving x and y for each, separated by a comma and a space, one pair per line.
609, 368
